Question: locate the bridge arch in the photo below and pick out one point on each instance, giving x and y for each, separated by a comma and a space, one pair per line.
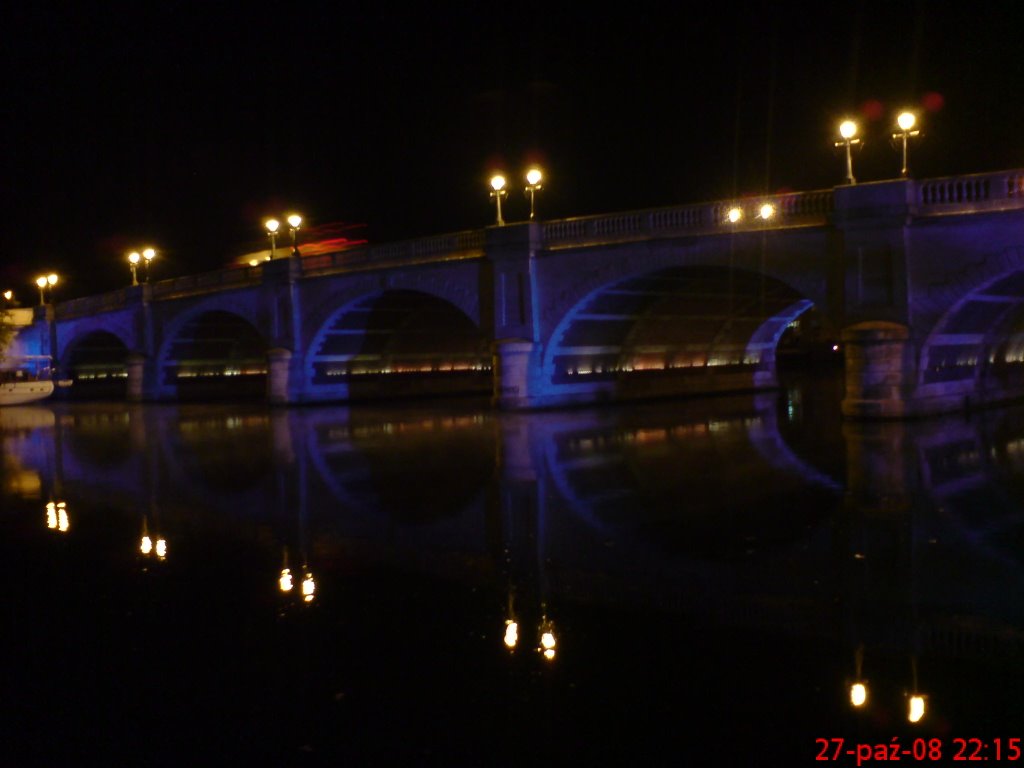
394, 342
212, 353
96, 362
976, 348
672, 331
120, 325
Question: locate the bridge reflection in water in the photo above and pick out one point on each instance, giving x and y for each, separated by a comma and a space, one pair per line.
574, 583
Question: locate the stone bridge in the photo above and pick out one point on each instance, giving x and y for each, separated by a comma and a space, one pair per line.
919, 282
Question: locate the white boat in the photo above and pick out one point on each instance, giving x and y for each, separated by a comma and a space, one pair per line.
25, 380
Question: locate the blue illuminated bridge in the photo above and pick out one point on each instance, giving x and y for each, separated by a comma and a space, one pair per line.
919, 284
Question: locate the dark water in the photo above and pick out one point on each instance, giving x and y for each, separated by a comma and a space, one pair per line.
712, 571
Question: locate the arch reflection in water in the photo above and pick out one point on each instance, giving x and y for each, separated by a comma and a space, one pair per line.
735, 518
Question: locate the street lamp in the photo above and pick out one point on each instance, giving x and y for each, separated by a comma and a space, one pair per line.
533, 185
766, 211
133, 265
734, 215
906, 122
498, 192
848, 130
294, 222
8, 296
148, 254
272, 225
44, 282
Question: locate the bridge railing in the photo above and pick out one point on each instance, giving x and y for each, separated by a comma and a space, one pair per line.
455, 245
204, 282
797, 209
91, 305
977, 192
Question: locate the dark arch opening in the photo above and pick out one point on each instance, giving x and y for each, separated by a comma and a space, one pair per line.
217, 356
400, 344
97, 366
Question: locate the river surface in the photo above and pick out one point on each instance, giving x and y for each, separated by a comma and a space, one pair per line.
712, 576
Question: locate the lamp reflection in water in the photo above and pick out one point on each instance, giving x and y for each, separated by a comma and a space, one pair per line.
511, 625
547, 637
57, 516
916, 702
308, 587
859, 688
286, 580
155, 546
916, 709
858, 694
511, 634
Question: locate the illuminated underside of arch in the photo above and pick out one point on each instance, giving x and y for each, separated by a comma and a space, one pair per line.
669, 329
97, 366
217, 354
981, 339
400, 342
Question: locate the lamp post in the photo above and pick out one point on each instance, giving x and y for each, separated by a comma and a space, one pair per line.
498, 192
133, 265
906, 122
43, 282
272, 225
533, 185
848, 130
148, 254
135, 258
8, 296
294, 222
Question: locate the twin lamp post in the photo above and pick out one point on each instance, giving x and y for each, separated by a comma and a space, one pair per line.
848, 139
273, 225
534, 176
147, 255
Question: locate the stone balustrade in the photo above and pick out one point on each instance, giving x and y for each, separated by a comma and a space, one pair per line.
944, 196
977, 192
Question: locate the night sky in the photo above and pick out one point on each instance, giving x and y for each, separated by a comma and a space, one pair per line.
184, 126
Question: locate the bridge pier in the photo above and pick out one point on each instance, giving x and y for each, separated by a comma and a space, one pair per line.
278, 376
135, 367
513, 362
878, 371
